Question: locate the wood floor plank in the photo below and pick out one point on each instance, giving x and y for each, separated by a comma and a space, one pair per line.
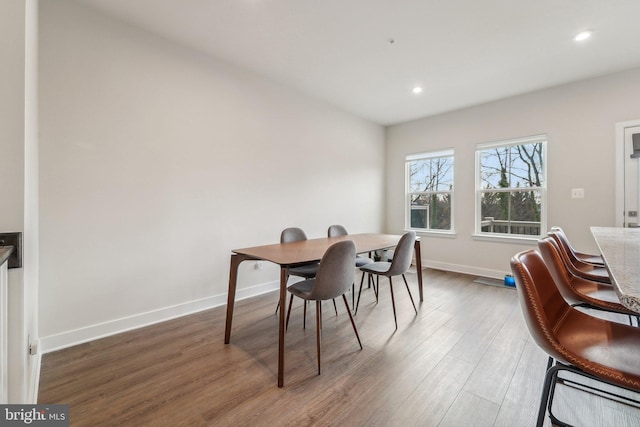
470, 410
432, 398
521, 401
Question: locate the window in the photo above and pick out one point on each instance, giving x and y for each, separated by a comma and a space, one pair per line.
511, 187
429, 190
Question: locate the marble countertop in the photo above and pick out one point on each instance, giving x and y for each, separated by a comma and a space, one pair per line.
5, 251
620, 249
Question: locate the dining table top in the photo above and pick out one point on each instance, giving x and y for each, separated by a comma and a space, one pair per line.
620, 249
313, 249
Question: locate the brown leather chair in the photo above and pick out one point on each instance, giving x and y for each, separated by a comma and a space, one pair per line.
596, 260
588, 346
580, 268
577, 291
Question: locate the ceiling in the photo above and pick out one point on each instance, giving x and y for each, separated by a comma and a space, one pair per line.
365, 56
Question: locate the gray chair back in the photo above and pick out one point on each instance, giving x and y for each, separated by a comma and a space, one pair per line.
336, 230
336, 272
292, 234
403, 254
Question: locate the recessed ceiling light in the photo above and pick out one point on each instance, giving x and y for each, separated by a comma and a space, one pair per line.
416, 90
583, 36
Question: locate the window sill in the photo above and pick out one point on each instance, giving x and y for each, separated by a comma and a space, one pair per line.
431, 233
532, 240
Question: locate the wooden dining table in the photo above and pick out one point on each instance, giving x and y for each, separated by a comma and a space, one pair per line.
293, 254
620, 249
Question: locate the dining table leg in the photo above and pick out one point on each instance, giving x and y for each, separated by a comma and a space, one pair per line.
236, 259
416, 248
281, 329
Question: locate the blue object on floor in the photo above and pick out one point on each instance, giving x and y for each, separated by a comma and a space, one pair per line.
509, 281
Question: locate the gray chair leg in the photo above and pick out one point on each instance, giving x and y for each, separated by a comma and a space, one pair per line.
352, 322
318, 329
304, 319
359, 293
353, 295
286, 328
410, 296
376, 286
393, 302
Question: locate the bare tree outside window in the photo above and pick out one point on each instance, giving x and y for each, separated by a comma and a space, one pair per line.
511, 189
429, 192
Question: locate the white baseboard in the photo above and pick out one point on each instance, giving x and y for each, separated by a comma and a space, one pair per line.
89, 333
465, 269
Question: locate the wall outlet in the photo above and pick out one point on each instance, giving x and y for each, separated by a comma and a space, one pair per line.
33, 347
577, 193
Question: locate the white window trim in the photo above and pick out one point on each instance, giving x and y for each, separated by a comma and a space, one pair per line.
449, 152
512, 238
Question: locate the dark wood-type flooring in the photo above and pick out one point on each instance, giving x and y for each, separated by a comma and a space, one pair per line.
466, 359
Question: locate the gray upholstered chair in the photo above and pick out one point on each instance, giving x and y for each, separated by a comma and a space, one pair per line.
307, 271
397, 267
335, 276
295, 234
338, 230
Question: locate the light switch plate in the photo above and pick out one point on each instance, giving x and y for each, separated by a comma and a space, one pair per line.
577, 193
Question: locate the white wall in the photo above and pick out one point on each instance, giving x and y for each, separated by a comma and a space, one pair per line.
157, 161
579, 120
12, 54
18, 172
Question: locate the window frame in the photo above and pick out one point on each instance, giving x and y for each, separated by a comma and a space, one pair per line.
479, 191
429, 155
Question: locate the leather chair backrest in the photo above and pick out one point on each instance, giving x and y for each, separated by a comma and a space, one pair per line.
562, 241
552, 257
565, 256
335, 272
542, 305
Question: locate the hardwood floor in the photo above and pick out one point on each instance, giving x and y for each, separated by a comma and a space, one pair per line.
466, 359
